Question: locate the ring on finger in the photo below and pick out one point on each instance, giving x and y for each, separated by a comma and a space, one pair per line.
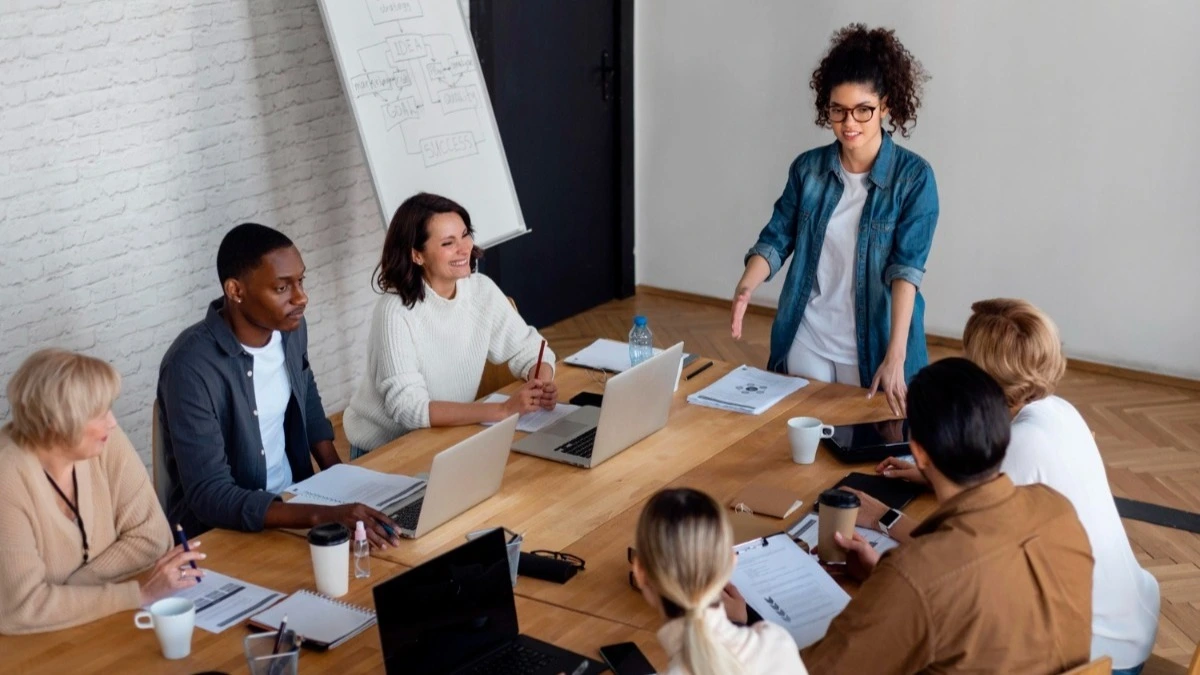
182, 573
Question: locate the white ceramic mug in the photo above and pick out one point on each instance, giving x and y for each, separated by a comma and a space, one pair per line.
173, 620
330, 547
805, 434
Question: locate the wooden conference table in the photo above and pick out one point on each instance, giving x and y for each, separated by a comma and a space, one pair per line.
589, 513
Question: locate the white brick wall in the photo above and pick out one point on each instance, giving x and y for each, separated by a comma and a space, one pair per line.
133, 135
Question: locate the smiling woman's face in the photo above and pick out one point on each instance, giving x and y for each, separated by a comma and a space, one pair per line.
447, 252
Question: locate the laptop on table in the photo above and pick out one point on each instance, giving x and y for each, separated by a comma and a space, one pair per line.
456, 615
635, 405
461, 476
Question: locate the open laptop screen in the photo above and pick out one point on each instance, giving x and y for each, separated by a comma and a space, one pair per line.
447, 612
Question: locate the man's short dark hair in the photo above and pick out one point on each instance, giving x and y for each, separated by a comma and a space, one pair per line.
244, 246
957, 412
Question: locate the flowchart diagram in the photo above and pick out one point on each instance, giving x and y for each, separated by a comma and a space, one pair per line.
428, 87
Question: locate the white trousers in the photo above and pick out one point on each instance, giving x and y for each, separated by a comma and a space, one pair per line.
804, 362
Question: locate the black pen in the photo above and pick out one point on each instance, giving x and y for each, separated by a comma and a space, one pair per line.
183, 540
699, 370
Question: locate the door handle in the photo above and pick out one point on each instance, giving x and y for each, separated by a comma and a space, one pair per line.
606, 75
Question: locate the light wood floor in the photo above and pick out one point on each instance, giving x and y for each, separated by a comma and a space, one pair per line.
1149, 436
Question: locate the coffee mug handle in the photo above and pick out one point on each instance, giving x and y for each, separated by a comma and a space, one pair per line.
826, 431
137, 620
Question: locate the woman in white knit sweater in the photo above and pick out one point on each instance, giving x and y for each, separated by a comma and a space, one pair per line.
433, 329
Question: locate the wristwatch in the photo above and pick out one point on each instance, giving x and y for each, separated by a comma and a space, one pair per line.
887, 520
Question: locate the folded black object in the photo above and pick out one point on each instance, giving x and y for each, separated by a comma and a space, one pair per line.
547, 568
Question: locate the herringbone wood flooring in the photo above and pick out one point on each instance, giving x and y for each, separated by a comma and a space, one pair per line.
1149, 436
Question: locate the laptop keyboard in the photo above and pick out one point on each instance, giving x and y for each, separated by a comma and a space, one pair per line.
407, 517
512, 659
580, 446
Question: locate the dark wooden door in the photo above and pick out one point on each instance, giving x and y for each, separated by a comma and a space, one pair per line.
553, 75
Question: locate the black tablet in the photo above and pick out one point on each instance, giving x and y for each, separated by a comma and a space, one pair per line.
869, 441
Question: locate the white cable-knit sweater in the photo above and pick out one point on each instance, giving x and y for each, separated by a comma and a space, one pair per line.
435, 352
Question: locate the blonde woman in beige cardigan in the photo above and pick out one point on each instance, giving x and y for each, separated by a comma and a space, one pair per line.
82, 535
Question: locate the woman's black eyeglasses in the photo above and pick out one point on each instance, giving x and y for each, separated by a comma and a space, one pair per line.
861, 113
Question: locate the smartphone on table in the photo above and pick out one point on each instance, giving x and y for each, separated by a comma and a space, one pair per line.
626, 659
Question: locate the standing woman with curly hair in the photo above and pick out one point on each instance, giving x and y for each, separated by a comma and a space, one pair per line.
858, 216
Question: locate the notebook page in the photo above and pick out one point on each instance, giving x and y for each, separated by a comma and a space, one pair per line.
347, 484
316, 617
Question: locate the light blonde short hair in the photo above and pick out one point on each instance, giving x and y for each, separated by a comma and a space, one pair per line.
55, 393
1018, 345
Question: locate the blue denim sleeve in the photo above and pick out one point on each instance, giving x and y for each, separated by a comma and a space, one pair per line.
914, 231
199, 450
778, 239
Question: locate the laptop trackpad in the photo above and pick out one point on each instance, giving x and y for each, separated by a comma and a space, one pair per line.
566, 429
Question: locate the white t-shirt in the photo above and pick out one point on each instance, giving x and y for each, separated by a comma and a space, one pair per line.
272, 392
828, 325
1051, 444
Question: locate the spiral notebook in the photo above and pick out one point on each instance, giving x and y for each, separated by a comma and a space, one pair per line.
323, 623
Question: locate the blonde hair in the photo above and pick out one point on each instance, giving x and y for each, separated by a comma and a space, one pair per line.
685, 547
54, 394
1018, 345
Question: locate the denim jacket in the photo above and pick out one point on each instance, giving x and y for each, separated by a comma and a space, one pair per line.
894, 238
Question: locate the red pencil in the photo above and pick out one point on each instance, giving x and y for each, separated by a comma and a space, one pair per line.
541, 353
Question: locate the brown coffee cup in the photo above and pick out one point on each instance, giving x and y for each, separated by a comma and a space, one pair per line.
838, 512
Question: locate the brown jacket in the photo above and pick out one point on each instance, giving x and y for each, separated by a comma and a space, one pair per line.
997, 580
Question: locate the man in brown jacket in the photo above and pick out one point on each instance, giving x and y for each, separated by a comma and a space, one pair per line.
998, 579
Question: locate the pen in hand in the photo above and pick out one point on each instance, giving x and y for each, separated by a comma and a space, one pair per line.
183, 540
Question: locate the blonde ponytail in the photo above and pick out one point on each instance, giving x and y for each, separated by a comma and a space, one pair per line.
684, 545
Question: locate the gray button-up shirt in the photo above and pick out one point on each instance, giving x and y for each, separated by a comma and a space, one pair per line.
212, 447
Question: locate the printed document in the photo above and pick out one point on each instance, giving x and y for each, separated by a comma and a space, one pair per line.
348, 484
788, 587
223, 601
747, 390
536, 420
806, 531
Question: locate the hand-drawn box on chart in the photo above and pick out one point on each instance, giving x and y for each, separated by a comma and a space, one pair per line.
405, 47
373, 82
460, 98
383, 11
404, 109
438, 149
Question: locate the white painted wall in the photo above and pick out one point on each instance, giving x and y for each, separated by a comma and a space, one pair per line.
1063, 135
133, 135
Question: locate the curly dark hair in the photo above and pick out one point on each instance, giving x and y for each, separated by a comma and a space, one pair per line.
408, 232
875, 57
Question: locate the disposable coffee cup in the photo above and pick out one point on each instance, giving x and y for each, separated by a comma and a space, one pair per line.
804, 435
173, 621
838, 512
330, 547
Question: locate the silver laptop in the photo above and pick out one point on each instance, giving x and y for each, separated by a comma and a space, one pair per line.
635, 405
461, 476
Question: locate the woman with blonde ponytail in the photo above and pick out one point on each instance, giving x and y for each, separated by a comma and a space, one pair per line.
684, 559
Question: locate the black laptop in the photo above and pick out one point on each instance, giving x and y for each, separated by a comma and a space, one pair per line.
869, 441
456, 614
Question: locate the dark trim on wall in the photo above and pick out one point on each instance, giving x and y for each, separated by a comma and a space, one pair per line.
625, 236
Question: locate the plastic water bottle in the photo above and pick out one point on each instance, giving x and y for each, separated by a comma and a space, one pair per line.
641, 341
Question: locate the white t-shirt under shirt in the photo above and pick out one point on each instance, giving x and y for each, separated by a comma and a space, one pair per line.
828, 325
272, 392
1051, 444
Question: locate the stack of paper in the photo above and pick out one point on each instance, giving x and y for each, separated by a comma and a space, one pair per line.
536, 420
788, 588
747, 390
806, 531
349, 484
610, 355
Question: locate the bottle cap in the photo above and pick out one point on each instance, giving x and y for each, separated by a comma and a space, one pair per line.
360, 533
639, 320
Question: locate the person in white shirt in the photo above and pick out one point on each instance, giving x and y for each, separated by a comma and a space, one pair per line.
1019, 346
682, 562
436, 324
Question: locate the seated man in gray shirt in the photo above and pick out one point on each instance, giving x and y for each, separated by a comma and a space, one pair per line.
239, 410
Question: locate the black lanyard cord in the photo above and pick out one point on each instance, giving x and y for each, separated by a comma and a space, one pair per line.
74, 508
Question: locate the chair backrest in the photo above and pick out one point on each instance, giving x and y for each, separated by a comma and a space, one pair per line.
1101, 666
158, 459
495, 375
